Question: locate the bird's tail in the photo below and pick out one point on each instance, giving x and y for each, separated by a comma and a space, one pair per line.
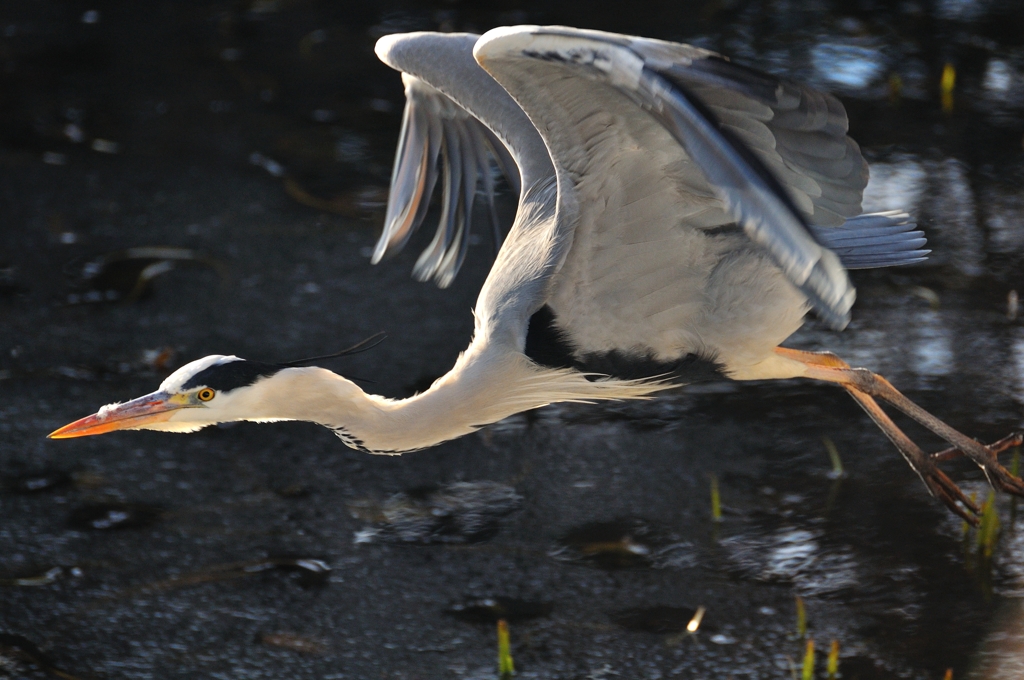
882, 239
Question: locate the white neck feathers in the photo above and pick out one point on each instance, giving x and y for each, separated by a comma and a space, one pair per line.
479, 390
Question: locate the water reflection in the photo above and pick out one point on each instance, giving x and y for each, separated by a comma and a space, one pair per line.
954, 225
895, 185
847, 67
931, 349
794, 555
464, 512
998, 78
1004, 215
1017, 356
962, 10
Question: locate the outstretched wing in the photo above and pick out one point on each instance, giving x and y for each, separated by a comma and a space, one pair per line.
659, 138
534, 248
439, 137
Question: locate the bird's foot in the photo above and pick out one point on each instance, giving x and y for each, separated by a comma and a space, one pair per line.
951, 495
998, 476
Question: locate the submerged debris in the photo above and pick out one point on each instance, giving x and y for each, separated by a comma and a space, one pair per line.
126, 275
37, 482
491, 609
9, 284
30, 579
625, 544
292, 642
464, 512
355, 202
309, 572
19, 655
612, 545
114, 515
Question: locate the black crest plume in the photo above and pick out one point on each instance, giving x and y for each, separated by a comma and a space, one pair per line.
361, 346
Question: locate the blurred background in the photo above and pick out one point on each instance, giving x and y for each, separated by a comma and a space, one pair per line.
195, 177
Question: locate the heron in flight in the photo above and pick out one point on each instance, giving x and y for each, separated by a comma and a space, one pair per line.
678, 217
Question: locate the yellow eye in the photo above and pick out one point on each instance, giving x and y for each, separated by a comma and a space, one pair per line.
205, 394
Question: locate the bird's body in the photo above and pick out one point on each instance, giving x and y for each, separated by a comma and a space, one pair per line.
678, 217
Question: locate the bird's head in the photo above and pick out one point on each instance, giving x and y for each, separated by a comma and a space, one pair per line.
221, 389
210, 390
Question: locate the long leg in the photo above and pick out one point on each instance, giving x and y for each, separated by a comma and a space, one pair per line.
938, 483
864, 385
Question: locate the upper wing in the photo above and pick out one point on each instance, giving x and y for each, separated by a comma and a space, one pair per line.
658, 138
534, 248
437, 131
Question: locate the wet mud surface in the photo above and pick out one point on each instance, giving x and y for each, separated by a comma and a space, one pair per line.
193, 178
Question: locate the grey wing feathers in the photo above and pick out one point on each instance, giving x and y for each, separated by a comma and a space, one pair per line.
725, 134
439, 137
801, 137
751, 191
885, 239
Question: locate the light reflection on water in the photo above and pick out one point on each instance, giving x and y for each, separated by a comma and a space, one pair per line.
931, 351
962, 10
951, 209
1004, 216
794, 556
1001, 655
895, 185
1017, 356
851, 67
998, 77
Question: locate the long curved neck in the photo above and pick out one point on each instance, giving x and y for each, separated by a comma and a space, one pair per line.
479, 390
456, 404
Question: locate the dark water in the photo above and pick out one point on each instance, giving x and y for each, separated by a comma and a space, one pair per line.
178, 179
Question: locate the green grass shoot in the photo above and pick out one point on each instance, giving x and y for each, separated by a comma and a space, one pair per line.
716, 500
808, 673
833, 454
946, 86
801, 617
833, 661
988, 529
505, 667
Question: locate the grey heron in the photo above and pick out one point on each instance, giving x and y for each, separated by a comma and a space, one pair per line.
678, 217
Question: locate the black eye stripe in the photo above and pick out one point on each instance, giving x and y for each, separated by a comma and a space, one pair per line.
231, 375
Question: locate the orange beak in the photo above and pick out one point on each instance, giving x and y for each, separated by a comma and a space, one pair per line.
135, 414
